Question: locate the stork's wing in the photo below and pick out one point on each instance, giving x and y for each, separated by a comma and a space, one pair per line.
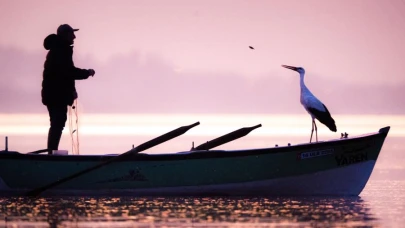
324, 117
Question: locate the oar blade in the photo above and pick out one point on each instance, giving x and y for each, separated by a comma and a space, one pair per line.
226, 138
164, 138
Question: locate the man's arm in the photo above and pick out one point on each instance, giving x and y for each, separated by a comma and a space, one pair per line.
80, 74
75, 72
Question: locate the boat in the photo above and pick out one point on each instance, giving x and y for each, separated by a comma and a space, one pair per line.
337, 167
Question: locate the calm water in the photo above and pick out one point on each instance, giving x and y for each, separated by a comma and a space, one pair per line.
382, 204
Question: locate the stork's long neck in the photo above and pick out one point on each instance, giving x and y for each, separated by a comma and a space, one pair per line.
304, 90
302, 84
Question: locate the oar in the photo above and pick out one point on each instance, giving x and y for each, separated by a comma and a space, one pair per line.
226, 138
38, 151
141, 147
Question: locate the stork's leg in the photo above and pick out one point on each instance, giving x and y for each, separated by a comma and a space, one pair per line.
316, 131
312, 131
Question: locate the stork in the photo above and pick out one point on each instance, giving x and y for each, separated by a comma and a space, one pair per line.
313, 105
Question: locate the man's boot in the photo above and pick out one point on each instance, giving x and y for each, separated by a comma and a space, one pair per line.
53, 140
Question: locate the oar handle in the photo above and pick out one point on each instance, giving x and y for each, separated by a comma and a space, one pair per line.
226, 138
38, 151
144, 146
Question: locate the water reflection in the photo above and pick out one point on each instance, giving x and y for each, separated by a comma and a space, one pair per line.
185, 211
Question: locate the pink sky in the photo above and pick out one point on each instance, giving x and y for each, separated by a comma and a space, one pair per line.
193, 56
357, 41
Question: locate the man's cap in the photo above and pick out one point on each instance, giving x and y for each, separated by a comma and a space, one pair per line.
65, 28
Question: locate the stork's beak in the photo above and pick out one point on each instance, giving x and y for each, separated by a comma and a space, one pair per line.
289, 67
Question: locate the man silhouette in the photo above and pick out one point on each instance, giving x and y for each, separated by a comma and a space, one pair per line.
58, 84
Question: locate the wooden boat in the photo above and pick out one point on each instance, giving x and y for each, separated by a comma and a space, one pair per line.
339, 167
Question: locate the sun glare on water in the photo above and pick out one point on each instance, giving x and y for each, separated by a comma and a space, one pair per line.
210, 125
117, 133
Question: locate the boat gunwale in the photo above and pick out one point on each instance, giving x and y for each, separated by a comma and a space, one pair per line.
201, 154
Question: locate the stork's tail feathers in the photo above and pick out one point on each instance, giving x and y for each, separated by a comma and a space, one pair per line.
331, 125
324, 117
329, 122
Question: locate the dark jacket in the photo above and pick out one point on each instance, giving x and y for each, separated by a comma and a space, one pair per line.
59, 75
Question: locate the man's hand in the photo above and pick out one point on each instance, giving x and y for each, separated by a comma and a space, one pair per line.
91, 72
